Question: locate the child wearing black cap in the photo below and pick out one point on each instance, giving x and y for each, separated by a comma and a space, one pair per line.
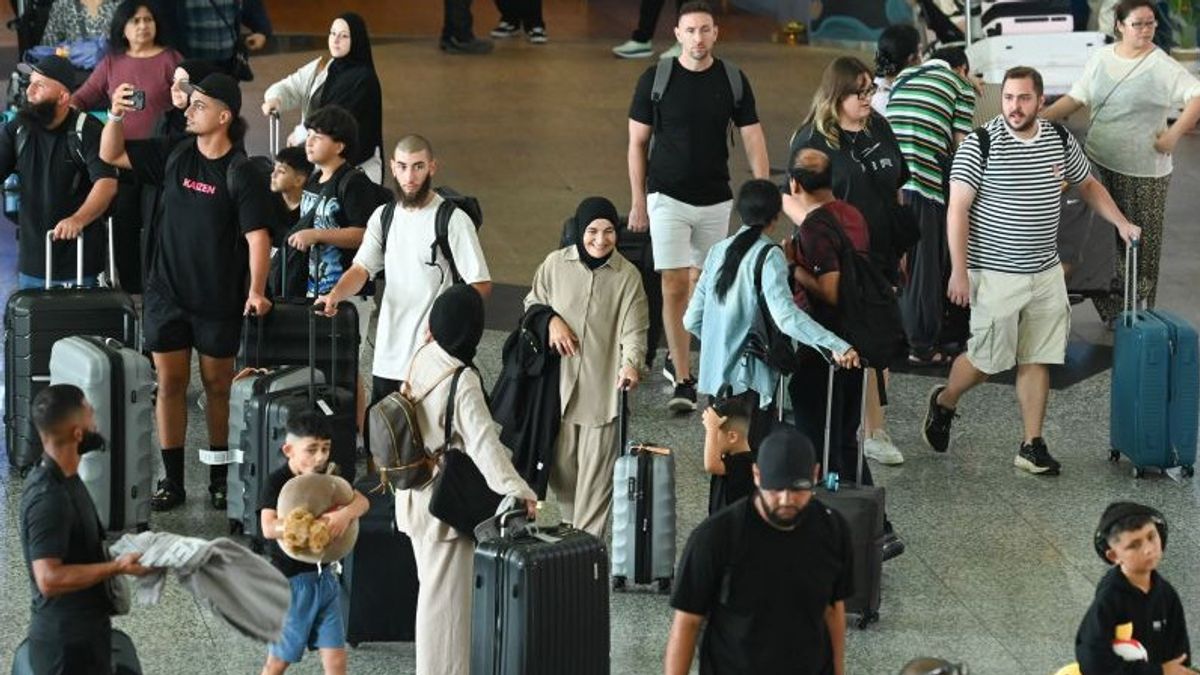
1136, 614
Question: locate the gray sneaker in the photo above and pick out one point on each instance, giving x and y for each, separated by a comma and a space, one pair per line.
632, 49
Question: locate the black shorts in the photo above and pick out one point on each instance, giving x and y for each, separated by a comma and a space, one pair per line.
168, 327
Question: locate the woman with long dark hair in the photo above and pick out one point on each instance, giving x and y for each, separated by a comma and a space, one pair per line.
346, 77
727, 295
899, 47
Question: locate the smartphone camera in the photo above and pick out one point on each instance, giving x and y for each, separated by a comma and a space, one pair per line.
137, 99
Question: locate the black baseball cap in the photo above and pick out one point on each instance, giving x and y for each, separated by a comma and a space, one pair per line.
221, 87
785, 460
54, 67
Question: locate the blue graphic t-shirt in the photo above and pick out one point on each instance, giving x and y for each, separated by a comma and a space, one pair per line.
328, 210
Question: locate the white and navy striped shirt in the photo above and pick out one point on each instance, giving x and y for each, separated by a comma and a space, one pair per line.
1018, 196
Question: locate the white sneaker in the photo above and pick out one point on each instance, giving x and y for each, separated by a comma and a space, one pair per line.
673, 52
632, 49
880, 448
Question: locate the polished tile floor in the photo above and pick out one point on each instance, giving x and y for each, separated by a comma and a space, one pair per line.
999, 567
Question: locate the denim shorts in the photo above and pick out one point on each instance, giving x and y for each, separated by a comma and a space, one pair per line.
314, 619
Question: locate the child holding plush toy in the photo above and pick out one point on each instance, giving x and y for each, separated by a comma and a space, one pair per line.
1136, 622
313, 518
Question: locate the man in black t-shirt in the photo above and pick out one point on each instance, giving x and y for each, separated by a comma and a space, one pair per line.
65, 187
63, 543
212, 229
681, 193
769, 574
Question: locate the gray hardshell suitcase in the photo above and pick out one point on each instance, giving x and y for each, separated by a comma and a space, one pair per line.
643, 543
863, 508
246, 385
119, 383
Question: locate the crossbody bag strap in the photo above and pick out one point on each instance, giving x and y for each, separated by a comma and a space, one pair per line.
450, 401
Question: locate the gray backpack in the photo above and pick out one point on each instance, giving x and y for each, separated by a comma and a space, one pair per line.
662, 77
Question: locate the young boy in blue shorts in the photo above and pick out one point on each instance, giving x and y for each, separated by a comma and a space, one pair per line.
314, 619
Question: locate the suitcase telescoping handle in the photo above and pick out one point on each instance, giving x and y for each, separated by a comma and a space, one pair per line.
831, 478
623, 413
114, 281
312, 357
50, 259
1129, 299
273, 124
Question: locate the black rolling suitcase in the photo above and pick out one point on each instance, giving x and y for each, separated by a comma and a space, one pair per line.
380, 575
267, 415
541, 602
863, 508
281, 337
34, 320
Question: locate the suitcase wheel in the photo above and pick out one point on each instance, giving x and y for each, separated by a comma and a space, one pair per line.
1189, 471
618, 583
1138, 472
142, 527
664, 586
353, 645
1114, 456
866, 620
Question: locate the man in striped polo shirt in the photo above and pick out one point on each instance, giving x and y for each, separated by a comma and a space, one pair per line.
930, 110
1003, 219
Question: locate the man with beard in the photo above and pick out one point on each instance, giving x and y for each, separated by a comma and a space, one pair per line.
680, 191
69, 630
769, 574
415, 281
210, 265
65, 187
1002, 222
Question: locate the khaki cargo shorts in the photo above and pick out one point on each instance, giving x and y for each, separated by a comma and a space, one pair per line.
1018, 319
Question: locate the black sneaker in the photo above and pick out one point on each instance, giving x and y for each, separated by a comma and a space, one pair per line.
504, 29
167, 496
216, 497
892, 546
1035, 458
936, 429
668, 370
684, 398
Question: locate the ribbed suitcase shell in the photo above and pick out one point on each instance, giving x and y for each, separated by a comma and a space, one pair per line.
267, 415
239, 396
34, 320
1183, 398
281, 339
541, 608
119, 384
1140, 386
643, 518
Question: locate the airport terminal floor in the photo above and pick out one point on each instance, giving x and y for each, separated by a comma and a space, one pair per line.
999, 566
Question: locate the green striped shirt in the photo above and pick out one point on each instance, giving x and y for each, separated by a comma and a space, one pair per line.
930, 104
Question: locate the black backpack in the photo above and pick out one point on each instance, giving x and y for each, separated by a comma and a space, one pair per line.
441, 240
867, 308
985, 142
770, 345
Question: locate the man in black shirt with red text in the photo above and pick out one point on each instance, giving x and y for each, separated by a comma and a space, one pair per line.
212, 226
768, 573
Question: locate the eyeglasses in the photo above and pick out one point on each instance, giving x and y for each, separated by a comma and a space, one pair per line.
1143, 25
866, 94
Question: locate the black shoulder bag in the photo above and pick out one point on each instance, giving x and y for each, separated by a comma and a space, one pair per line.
461, 496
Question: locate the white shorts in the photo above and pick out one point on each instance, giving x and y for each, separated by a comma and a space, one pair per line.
364, 305
681, 234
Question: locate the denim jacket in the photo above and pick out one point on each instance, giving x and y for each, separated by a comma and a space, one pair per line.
723, 337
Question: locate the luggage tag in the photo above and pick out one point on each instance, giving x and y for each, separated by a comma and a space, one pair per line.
230, 456
324, 407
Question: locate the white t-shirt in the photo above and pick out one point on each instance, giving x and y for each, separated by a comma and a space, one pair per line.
1125, 127
412, 282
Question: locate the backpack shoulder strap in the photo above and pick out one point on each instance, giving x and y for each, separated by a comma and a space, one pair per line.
385, 223
758, 276
1063, 136
735, 81
985, 144
662, 77
441, 237
234, 172
21, 134
75, 141
450, 400
343, 182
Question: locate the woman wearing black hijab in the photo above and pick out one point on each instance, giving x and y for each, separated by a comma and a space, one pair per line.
445, 558
599, 331
346, 77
